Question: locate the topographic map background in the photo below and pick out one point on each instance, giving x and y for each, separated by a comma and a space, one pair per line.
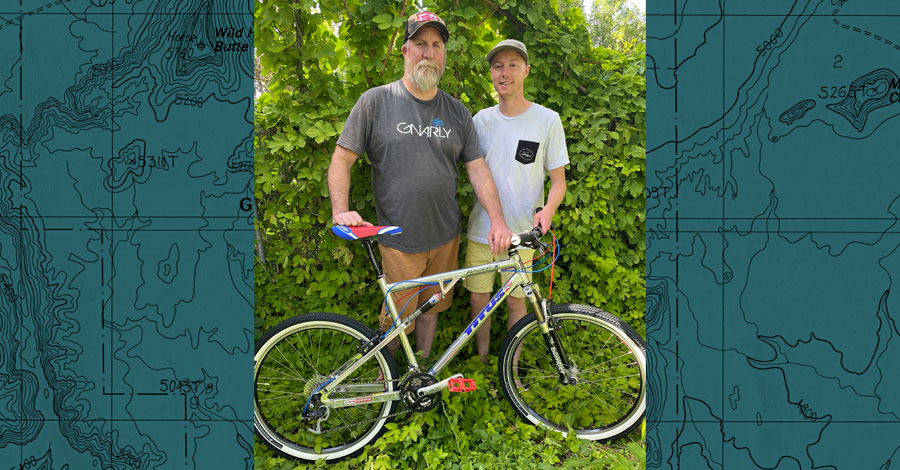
772, 234
125, 234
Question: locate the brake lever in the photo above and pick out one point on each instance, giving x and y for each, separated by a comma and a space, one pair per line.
536, 234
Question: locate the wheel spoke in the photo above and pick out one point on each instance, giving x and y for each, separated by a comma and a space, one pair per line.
282, 393
284, 402
280, 378
286, 364
626, 353
305, 356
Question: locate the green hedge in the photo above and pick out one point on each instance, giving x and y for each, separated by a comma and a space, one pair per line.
317, 57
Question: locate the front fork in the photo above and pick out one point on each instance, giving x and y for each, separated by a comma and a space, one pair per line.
548, 326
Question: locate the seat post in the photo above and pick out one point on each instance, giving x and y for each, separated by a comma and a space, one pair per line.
368, 244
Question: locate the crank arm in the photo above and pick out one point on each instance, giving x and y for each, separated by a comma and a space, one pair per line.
432, 389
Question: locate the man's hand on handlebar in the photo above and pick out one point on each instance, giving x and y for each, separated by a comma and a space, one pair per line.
499, 237
350, 219
542, 219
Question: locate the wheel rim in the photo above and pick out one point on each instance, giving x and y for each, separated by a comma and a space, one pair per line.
608, 397
286, 368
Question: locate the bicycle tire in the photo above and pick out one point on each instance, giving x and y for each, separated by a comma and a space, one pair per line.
292, 360
597, 407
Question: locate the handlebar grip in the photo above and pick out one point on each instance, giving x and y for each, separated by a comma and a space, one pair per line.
527, 238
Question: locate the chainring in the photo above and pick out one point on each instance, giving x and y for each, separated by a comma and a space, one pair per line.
409, 396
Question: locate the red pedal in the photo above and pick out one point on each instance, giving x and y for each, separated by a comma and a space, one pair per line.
461, 385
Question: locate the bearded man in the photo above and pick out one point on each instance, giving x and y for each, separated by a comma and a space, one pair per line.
414, 135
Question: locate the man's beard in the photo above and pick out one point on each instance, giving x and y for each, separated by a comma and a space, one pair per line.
426, 74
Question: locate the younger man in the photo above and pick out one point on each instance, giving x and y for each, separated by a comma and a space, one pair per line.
522, 141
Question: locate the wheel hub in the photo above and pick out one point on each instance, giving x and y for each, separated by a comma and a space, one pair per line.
573, 375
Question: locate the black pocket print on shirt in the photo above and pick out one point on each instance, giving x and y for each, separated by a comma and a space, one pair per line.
526, 152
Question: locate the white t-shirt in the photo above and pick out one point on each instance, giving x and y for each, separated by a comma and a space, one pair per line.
519, 151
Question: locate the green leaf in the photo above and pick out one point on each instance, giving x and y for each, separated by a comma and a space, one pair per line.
383, 18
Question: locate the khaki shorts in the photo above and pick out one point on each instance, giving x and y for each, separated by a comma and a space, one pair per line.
400, 266
478, 254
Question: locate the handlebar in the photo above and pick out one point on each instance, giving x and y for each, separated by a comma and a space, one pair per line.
530, 239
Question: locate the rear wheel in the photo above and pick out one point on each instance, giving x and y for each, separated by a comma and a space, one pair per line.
606, 358
293, 360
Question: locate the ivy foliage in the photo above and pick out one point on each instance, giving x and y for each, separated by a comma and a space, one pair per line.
316, 57
617, 24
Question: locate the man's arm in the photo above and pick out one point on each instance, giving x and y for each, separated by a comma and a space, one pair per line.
499, 236
554, 198
339, 188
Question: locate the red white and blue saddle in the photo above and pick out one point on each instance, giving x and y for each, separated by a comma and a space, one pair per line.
360, 232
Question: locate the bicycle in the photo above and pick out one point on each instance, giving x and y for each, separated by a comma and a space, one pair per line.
325, 385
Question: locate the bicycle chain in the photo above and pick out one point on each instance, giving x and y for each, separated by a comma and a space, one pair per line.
390, 416
405, 411
348, 426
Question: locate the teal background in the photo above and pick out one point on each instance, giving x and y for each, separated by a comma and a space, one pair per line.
125, 234
772, 238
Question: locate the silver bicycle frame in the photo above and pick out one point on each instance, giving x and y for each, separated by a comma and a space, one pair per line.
517, 279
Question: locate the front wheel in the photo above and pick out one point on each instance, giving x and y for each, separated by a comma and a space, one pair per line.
293, 361
606, 358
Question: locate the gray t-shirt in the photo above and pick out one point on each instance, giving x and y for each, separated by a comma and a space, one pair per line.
414, 146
